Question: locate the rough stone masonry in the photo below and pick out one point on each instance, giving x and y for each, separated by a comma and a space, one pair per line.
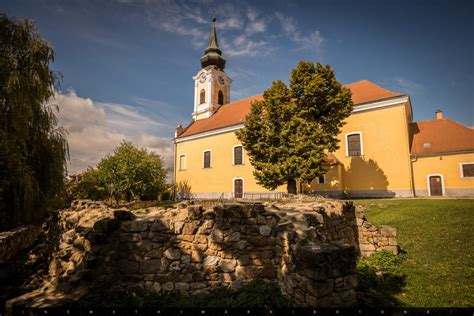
308, 247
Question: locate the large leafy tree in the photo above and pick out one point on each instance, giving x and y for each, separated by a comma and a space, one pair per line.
288, 134
33, 150
130, 173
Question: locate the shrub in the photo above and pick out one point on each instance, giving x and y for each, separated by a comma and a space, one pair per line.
129, 174
183, 190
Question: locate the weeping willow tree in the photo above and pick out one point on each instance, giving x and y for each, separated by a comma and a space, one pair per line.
33, 149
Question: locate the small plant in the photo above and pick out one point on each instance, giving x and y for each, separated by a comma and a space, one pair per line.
183, 190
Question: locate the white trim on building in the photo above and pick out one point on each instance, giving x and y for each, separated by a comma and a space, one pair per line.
361, 143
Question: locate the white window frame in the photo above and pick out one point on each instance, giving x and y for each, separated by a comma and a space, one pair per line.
361, 143
325, 181
442, 183
185, 162
461, 172
233, 185
210, 158
233, 155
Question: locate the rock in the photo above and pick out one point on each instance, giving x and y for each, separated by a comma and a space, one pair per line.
106, 225
350, 282
175, 266
158, 226
194, 212
247, 272
172, 254
227, 265
190, 228
135, 226
168, 287
233, 237
185, 259
123, 215
127, 267
265, 230
388, 231
178, 227
181, 287
211, 261
217, 236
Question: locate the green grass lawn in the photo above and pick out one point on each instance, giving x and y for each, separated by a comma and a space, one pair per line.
438, 238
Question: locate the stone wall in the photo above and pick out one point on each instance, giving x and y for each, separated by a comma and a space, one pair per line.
372, 238
13, 241
309, 248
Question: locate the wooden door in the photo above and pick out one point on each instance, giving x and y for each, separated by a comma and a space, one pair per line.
436, 186
238, 188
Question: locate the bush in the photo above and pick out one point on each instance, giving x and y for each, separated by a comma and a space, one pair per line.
183, 190
129, 174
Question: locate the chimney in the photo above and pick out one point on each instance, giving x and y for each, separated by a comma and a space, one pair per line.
179, 129
439, 115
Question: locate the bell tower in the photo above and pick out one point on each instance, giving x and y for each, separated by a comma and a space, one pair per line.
211, 83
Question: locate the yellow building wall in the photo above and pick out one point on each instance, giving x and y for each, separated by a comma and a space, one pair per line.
333, 182
449, 167
384, 167
212, 182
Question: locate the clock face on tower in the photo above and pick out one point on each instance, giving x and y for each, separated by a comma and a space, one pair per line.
221, 80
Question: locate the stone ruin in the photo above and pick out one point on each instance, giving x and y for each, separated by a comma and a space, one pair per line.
307, 247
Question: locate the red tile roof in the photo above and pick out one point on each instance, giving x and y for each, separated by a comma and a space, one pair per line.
440, 136
234, 113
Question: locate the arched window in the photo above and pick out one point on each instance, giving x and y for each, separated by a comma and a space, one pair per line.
202, 96
220, 98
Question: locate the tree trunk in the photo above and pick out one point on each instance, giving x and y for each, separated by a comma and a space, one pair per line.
291, 186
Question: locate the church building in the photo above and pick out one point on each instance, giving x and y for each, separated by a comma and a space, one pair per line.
383, 152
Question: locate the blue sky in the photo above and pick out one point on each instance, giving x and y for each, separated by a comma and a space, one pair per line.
127, 65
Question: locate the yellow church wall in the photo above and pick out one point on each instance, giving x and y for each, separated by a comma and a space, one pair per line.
333, 182
383, 169
218, 179
447, 166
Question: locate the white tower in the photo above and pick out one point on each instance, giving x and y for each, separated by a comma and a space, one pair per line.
211, 84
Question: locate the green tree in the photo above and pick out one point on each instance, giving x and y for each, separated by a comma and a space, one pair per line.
130, 173
33, 149
288, 134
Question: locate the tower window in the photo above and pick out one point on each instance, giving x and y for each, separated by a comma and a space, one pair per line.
202, 96
220, 98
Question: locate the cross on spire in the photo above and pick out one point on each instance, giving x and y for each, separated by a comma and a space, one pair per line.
212, 54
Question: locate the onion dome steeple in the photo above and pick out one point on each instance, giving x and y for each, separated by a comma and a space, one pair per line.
213, 55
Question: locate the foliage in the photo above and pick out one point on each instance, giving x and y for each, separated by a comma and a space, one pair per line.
437, 238
288, 134
257, 293
33, 149
129, 174
183, 190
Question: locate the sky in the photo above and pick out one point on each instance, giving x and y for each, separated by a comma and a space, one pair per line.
127, 65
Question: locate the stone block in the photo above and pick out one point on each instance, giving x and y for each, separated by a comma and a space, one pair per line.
134, 226
350, 282
158, 226
181, 287
168, 286
127, 266
227, 265
123, 215
190, 228
265, 230
150, 266
172, 254
321, 288
248, 272
217, 236
194, 212
197, 256
106, 225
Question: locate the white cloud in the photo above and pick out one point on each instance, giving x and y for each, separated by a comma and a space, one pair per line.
310, 41
95, 129
407, 86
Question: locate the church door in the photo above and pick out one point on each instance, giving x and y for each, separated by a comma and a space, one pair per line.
238, 188
436, 186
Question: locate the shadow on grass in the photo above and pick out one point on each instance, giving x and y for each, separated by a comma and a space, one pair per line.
379, 280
